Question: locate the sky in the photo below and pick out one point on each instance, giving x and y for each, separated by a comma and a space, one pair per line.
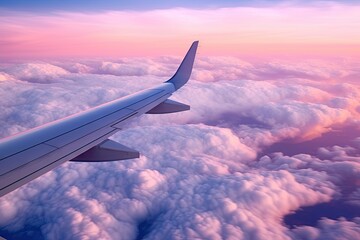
269, 149
48, 29
84, 5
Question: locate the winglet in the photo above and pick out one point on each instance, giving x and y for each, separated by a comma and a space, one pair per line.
183, 73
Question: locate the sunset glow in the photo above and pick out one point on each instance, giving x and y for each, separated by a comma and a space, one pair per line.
288, 31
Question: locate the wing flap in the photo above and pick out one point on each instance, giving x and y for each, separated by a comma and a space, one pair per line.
107, 151
169, 106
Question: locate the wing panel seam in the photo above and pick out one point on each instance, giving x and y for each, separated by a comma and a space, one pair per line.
157, 92
110, 133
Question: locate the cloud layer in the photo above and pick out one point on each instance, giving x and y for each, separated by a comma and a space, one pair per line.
209, 173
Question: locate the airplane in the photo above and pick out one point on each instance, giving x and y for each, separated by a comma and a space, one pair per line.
83, 137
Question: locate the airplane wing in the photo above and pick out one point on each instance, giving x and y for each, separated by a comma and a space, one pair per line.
84, 136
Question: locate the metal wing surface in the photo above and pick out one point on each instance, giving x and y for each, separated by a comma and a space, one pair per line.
84, 136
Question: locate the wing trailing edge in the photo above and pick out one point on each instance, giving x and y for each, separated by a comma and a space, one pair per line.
169, 106
107, 151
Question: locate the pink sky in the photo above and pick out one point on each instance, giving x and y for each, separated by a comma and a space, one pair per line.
311, 31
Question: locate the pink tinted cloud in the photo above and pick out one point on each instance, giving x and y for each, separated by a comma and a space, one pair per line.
281, 31
202, 173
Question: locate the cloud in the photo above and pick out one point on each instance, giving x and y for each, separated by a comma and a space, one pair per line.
5, 77
139, 67
191, 182
205, 173
343, 172
340, 153
37, 72
330, 229
211, 69
76, 67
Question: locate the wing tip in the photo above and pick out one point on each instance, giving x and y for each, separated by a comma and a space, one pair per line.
183, 73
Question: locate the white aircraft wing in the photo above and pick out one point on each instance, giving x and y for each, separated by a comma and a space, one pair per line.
84, 136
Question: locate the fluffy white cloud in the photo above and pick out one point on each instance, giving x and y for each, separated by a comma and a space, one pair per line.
5, 77
77, 67
205, 173
37, 72
185, 184
330, 229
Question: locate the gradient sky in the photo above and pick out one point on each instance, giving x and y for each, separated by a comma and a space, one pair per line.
94, 5
42, 29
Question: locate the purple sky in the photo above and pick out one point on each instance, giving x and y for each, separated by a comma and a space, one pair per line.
91, 5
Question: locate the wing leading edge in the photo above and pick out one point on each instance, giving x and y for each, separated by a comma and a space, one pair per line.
84, 136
